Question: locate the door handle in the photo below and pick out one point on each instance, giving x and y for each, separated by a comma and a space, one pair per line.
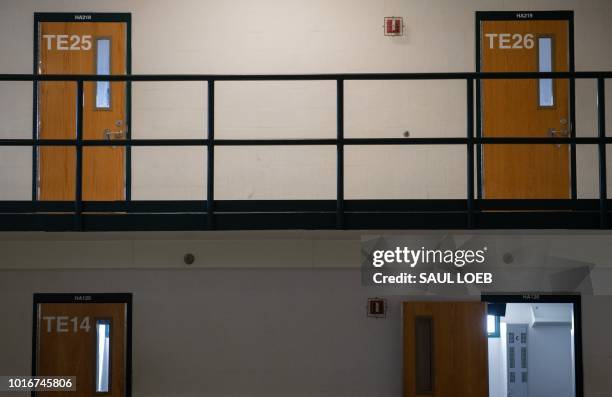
110, 135
558, 133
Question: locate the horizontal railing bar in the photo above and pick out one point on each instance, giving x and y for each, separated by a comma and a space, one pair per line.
302, 206
96, 142
275, 142
286, 221
298, 77
275, 206
464, 141
536, 204
308, 142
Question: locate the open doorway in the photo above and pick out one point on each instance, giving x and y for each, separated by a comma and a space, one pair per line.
502, 346
532, 347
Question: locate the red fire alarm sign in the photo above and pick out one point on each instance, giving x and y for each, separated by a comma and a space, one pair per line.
377, 307
394, 26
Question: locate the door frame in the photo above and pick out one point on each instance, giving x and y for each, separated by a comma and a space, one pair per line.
125, 17
568, 16
85, 298
576, 301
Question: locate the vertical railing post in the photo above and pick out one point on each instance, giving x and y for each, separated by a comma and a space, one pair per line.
128, 146
470, 153
573, 148
340, 154
35, 85
210, 169
601, 133
78, 201
478, 125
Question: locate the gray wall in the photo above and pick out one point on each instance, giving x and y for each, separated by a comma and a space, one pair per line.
550, 361
231, 332
498, 376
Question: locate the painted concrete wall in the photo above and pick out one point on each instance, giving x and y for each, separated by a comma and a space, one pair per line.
258, 332
300, 294
551, 361
231, 332
296, 36
498, 375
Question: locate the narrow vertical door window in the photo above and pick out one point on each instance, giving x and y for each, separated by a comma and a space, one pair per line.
546, 93
103, 68
103, 341
423, 329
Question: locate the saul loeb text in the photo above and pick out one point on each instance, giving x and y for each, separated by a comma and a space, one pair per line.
433, 278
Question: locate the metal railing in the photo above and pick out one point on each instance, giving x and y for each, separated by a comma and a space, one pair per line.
211, 214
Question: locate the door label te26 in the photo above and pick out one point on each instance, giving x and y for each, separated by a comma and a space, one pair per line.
510, 41
68, 42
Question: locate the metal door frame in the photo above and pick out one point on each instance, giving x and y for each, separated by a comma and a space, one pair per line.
568, 16
126, 18
84, 298
576, 301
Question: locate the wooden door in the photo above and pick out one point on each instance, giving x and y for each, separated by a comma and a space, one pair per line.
84, 340
82, 48
445, 349
525, 108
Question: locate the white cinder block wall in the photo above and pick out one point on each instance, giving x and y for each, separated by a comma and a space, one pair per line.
296, 36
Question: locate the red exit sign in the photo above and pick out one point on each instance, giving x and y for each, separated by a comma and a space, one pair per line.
394, 26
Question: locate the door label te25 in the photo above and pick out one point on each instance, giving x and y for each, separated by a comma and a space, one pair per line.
68, 42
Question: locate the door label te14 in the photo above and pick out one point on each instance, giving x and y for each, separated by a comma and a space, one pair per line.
64, 324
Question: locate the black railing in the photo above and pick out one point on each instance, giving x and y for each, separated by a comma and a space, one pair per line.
211, 214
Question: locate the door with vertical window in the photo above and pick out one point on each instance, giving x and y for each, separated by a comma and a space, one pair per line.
85, 337
445, 349
81, 46
525, 108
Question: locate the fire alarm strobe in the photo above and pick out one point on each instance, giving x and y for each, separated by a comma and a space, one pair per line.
394, 26
377, 307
